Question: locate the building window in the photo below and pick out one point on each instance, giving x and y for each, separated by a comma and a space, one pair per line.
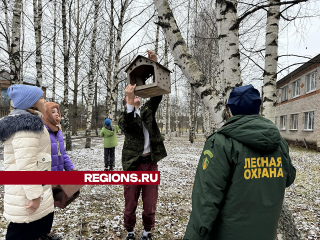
311, 82
308, 120
296, 88
284, 94
294, 122
283, 120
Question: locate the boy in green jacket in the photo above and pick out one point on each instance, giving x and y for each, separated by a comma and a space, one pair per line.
241, 177
110, 142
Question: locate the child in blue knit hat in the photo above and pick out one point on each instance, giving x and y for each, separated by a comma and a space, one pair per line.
28, 208
110, 142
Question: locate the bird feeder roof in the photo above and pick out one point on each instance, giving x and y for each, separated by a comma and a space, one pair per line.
142, 57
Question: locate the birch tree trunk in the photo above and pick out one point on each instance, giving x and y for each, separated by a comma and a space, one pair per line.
117, 59
66, 77
109, 68
22, 44
176, 102
157, 40
191, 114
164, 114
206, 122
166, 97
286, 228
37, 16
15, 43
271, 62
228, 34
91, 82
187, 63
96, 106
76, 73
192, 92
168, 137
54, 50
8, 35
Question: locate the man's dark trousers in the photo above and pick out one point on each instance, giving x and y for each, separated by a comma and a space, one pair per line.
149, 199
109, 153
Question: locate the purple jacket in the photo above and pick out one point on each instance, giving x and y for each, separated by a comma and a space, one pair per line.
59, 162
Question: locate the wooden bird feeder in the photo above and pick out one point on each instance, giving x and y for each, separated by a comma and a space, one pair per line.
152, 78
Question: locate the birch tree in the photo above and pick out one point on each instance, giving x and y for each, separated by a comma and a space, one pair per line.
271, 62
80, 26
192, 92
187, 63
22, 42
109, 66
91, 75
15, 43
54, 50
166, 101
114, 93
66, 77
176, 103
37, 16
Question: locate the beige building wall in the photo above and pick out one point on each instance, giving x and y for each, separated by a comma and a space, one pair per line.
305, 102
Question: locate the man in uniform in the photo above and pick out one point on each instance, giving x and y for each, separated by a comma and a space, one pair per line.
241, 177
143, 148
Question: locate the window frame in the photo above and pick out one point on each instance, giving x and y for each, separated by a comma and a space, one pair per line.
283, 124
292, 121
308, 82
282, 89
306, 117
295, 87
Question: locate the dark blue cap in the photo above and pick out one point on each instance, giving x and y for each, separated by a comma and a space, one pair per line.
244, 100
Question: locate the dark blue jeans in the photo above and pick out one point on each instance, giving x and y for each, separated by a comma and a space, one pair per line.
109, 157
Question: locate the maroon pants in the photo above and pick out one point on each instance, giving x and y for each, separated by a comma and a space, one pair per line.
149, 199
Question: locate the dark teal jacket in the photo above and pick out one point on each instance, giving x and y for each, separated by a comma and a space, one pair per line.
134, 139
240, 182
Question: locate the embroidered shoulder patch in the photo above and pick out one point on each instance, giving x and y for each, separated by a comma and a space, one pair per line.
208, 152
205, 163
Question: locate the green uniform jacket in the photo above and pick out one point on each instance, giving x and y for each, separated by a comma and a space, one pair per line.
110, 137
240, 182
131, 125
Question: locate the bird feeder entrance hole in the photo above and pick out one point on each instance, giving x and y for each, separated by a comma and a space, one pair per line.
152, 78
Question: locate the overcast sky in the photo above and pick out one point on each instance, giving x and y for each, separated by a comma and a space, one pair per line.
301, 38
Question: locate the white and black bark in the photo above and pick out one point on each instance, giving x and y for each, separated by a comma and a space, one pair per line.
191, 114
76, 71
54, 51
15, 43
37, 17
66, 77
91, 75
168, 137
7, 29
228, 34
166, 99
156, 47
271, 62
114, 93
176, 102
22, 43
109, 63
186, 61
